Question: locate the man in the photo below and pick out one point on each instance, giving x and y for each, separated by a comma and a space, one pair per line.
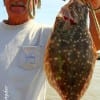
22, 43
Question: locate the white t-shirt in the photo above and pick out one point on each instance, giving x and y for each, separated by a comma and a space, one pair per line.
21, 61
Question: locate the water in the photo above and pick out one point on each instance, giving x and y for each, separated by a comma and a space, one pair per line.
92, 93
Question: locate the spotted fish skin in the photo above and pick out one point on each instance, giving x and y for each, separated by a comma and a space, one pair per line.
70, 57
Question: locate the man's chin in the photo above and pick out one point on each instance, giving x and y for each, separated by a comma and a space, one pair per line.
18, 14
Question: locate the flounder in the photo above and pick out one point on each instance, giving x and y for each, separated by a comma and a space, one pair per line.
70, 54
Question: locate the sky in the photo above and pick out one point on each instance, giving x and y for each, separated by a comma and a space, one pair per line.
46, 14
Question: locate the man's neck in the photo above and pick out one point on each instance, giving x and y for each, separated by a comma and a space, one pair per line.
17, 21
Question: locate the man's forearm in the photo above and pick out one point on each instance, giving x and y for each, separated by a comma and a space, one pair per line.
93, 30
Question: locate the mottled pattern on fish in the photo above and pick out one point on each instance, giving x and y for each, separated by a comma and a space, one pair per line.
70, 56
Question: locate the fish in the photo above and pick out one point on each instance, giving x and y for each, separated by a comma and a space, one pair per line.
70, 54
